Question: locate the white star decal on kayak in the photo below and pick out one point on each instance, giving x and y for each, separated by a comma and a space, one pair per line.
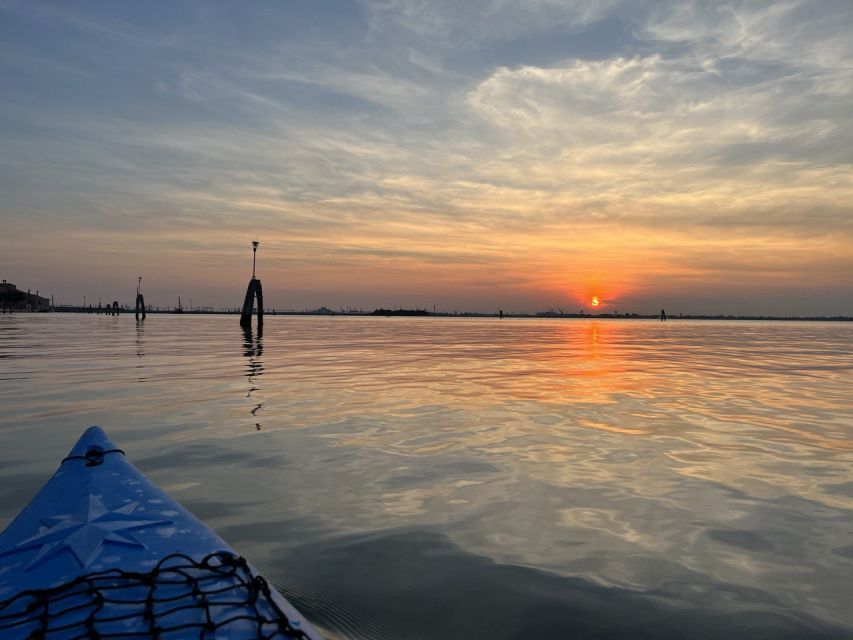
85, 531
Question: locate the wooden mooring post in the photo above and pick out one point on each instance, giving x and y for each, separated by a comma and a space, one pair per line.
254, 291
140, 299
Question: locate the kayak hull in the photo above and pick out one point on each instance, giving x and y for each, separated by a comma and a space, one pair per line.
99, 516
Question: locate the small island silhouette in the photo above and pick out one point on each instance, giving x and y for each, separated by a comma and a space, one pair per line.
424, 313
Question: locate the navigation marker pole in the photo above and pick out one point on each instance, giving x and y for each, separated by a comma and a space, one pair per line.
140, 300
254, 290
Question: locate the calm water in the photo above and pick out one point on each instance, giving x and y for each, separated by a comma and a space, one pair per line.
443, 478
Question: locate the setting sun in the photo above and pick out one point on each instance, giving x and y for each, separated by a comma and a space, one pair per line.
595, 302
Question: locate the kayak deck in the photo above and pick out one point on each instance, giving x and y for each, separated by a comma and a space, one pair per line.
101, 552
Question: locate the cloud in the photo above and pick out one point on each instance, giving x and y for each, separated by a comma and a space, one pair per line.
463, 24
681, 132
483, 141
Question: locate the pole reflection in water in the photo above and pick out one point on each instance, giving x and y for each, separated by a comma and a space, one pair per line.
253, 349
140, 350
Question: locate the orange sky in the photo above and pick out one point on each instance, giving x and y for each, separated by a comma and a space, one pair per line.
694, 160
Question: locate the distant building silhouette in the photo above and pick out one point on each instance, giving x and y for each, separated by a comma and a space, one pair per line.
13, 299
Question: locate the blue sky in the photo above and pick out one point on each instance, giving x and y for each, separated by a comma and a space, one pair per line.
476, 155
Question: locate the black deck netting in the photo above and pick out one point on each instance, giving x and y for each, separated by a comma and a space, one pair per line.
216, 597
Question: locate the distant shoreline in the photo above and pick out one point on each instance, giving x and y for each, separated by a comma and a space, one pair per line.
420, 313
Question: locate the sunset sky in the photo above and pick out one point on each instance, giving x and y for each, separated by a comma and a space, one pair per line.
477, 155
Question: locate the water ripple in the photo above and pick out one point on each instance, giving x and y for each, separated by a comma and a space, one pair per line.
699, 472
